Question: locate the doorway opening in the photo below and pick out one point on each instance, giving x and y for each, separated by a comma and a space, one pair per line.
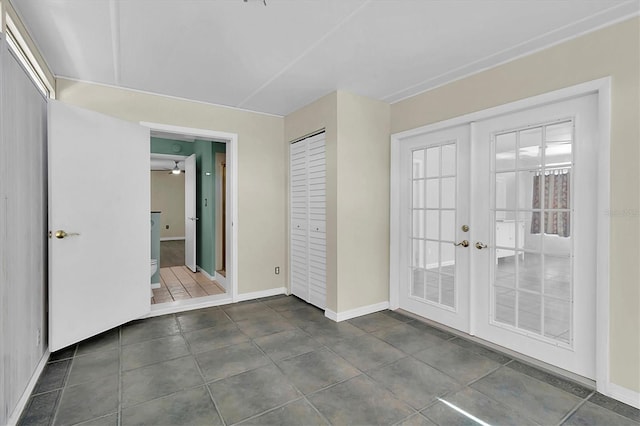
192, 196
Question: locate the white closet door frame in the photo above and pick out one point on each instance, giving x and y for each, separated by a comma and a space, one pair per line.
603, 88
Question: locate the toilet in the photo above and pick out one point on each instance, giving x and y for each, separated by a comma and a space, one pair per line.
154, 266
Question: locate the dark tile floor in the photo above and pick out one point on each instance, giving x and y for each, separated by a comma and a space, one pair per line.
279, 361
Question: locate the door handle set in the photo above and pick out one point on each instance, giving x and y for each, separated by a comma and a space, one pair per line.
464, 243
193, 218
60, 234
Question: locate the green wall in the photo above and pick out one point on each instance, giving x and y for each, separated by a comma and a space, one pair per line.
205, 192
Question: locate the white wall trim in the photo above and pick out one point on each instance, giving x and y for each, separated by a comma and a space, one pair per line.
188, 305
357, 312
220, 279
600, 86
625, 395
231, 140
259, 294
203, 272
24, 399
172, 239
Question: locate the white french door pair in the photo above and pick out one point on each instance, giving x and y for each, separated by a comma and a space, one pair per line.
497, 230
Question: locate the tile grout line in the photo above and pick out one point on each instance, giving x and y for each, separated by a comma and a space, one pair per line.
575, 408
204, 380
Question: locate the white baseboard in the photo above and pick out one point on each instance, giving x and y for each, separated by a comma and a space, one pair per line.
357, 312
24, 399
623, 394
155, 285
221, 279
172, 238
205, 273
259, 294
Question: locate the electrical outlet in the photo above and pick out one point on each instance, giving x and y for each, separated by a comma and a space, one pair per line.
277, 270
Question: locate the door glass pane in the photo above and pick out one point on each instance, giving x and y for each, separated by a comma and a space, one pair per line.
505, 150
418, 283
418, 164
433, 162
433, 286
448, 160
532, 230
418, 224
418, 201
433, 193
433, 224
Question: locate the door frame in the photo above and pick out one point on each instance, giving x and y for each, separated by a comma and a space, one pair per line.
231, 141
601, 87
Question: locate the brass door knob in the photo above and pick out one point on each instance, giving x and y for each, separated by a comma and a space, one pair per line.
463, 243
60, 234
480, 245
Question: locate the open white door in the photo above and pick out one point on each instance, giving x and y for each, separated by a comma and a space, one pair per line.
99, 249
190, 212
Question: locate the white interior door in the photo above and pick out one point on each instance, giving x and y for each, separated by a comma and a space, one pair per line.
435, 248
535, 280
190, 212
99, 210
299, 218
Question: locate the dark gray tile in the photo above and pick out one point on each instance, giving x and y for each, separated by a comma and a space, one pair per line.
414, 382
150, 328
445, 335
246, 310
52, 376
64, 353
398, 316
305, 316
287, 344
315, 370
264, 326
40, 409
189, 407
152, 351
245, 395
295, 413
366, 352
203, 318
416, 420
164, 378
102, 342
359, 401
230, 360
530, 397
616, 406
88, 401
559, 382
408, 339
375, 321
108, 420
481, 350
475, 404
215, 337
93, 366
328, 331
592, 414
286, 303
457, 362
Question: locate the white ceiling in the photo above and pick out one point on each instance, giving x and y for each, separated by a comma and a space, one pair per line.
282, 56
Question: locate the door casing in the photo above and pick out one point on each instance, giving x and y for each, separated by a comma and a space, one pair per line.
603, 89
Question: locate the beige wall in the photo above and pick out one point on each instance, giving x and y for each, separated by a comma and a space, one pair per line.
612, 51
363, 201
167, 196
357, 144
261, 167
321, 114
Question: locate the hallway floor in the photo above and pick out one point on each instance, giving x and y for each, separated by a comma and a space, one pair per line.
279, 361
180, 283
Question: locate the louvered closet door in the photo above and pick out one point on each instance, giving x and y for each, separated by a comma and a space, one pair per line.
308, 220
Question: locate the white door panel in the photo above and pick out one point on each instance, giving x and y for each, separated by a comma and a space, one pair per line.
98, 189
190, 221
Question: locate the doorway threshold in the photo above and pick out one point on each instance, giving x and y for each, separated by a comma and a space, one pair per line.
188, 305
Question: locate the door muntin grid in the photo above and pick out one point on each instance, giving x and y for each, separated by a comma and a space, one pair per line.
532, 284
433, 221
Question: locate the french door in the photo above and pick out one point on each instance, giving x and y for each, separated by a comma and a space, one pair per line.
524, 183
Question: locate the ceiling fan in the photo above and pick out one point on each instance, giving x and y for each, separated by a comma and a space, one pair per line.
176, 170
